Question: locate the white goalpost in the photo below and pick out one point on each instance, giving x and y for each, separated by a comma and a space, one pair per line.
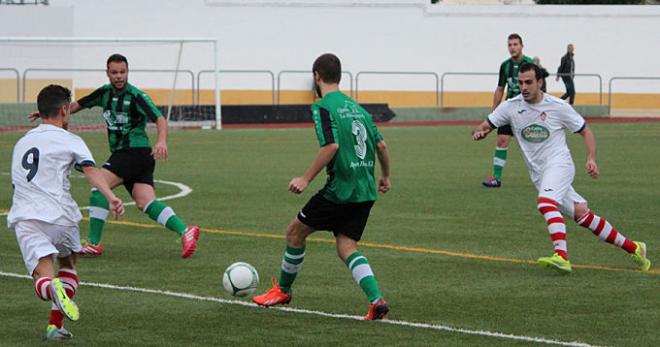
72, 56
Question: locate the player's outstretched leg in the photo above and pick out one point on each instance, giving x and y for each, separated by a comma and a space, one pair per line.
364, 276
280, 293
164, 215
606, 232
62, 300
557, 228
98, 213
55, 331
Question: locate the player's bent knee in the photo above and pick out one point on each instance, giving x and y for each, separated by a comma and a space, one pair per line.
296, 233
580, 211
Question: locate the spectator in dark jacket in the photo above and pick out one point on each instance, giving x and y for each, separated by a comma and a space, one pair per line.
566, 71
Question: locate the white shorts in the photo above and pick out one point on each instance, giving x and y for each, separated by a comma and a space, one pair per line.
556, 183
38, 239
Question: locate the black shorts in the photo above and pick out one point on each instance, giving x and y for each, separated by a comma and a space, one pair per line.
346, 219
133, 165
505, 130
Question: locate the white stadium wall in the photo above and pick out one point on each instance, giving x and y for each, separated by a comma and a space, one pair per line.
367, 35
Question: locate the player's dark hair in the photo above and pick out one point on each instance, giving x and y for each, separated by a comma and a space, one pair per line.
515, 36
51, 98
328, 67
116, 58
524, 67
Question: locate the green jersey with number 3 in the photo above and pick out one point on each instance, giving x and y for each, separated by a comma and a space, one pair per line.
339, 119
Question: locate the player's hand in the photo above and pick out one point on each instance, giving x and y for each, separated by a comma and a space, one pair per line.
159, 151
384, 184
592, 168
117, 207
298, 185
33, 116
478, 134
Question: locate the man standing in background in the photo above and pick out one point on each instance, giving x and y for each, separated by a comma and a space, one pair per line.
566, 71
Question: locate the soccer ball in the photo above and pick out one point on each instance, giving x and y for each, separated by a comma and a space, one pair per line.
240, 279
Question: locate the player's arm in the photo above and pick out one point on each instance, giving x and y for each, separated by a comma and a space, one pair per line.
482, 130
384, 184
147, 108
159, 150
499, 91
497, 97
75, 107
590, 144
93, 175
323, 157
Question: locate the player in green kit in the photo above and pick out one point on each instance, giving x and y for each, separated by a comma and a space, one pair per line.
350, 146
132, 162
508, 77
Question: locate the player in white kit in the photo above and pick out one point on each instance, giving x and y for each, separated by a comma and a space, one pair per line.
539, 120
43, 214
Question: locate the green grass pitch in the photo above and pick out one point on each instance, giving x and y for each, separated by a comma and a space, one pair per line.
445, 250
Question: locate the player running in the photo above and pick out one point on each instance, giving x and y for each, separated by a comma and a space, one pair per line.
539, 120
508, 77
132, 162
43, 214
349, 143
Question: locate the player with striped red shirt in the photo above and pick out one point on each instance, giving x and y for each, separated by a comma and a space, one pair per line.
539, 121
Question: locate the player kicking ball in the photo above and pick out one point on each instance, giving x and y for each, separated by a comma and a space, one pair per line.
539, 120
349, 143
133, 160
43, 214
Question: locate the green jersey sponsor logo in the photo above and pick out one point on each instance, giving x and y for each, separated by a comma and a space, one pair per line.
535, 133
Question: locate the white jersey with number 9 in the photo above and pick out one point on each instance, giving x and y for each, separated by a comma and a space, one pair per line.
40, 169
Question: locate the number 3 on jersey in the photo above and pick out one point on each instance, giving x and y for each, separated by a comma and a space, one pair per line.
360, 133
33, 165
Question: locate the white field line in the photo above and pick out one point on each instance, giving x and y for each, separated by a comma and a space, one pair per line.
184, 190
427, 326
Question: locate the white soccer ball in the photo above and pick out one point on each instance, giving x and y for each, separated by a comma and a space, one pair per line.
240, 279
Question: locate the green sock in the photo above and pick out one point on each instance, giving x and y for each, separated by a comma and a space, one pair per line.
165, 216
499, 161
291, 264
98, 213
359, 266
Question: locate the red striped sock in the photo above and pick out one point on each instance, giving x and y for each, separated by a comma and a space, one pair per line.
556, 225
42, 288
605, 231
69, 279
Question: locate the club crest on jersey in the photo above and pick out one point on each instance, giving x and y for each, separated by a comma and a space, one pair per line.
535, 133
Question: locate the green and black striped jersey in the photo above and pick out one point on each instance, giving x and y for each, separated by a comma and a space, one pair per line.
125, 113
509, 75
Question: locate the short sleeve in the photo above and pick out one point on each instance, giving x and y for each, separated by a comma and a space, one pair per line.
325, 129
147, 107
500, 116
572, 120
501, 81
93, 99
81, 153
377, 136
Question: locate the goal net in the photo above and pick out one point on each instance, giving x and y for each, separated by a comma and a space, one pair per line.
163, 68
